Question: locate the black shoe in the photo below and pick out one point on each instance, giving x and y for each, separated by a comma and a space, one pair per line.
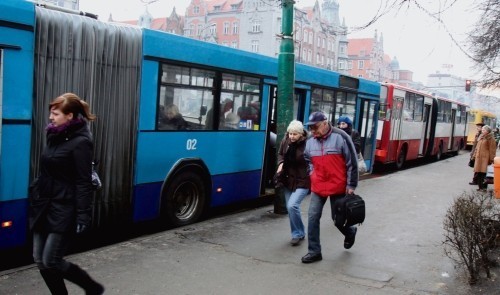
309, 258
473, 183
349, 241
296, 241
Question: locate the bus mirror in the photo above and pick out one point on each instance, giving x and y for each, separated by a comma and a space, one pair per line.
203, 110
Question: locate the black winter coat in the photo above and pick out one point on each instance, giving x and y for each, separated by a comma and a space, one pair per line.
294, 171
63, 193
356, 138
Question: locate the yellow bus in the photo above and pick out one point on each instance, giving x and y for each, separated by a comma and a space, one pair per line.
475, 117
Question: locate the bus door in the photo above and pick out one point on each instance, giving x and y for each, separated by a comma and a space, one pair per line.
453, 115
425, 129
367, 128
397, 109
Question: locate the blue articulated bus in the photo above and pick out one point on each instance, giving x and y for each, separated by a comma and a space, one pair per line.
182, 125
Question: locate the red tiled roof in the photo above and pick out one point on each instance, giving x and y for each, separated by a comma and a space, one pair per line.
355, 46
225, 5
156, 23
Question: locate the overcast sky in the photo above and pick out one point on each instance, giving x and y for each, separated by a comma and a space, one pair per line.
420, 43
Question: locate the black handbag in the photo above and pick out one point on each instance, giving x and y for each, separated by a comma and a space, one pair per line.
471, 162
354, 210
96, 180
349, 210
278, 179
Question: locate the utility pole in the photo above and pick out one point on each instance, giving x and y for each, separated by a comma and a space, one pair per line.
286, 76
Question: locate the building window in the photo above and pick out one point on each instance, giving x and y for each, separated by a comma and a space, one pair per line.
255, 46
217, 8
349, 65
319, 42
361, 64
342, 49
196, 9
213, 29
234, 44
309, 56
200, 29
256, 27
235, 28
341, 65
191, 30
226, 28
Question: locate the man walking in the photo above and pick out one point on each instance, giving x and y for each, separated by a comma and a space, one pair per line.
333, 168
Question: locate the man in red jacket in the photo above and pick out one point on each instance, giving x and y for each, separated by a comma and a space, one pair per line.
333, 168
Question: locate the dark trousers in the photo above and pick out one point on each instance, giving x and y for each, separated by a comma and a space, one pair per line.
474, 178
314, 215
48, 253
49, 250
480, 180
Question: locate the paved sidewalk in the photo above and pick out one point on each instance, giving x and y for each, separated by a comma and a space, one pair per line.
398, 249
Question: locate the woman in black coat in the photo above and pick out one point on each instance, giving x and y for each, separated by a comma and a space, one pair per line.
295, 179
61, 199
345, 123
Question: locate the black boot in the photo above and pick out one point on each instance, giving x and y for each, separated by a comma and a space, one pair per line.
54, 280
80, 277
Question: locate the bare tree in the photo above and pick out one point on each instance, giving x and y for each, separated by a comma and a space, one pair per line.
485, 44
483, 41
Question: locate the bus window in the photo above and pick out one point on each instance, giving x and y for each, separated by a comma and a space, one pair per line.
346, 105
185, 98
419, 108
244, 94
316, 101
383, 113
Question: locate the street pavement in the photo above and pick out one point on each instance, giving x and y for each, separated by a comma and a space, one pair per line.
398, 249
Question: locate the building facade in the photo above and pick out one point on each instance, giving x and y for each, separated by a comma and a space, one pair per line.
69, 4
255, 26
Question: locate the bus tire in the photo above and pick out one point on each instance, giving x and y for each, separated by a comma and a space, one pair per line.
185, 199
400, 161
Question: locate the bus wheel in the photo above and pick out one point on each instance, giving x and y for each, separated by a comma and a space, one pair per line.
185, 199
401, 158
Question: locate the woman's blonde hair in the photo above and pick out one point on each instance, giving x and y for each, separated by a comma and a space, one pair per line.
296, 127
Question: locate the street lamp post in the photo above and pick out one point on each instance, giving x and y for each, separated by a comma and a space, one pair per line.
286, 75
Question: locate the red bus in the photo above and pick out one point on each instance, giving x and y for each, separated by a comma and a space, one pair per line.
414, 124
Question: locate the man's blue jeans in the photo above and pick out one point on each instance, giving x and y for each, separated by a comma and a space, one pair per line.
49, 250
293, 201
315, 210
